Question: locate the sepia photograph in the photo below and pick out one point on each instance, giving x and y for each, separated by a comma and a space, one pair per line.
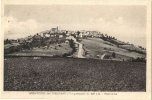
75, 48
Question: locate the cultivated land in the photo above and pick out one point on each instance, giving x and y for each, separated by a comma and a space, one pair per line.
69, 74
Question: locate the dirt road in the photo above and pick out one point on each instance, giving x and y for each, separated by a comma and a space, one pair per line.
80, 51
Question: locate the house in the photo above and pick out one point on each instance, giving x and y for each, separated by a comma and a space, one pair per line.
80, 35
55, 30
52, 35
66, 41
71, 38
21, 40
60, 36
47, 35
106, 56
37, 37
67, 33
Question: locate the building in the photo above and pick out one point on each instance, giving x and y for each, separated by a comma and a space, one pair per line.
55, 30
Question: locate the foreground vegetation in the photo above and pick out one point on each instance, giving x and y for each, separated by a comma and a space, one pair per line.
69, 74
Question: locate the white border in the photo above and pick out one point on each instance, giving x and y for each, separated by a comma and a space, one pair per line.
120, 95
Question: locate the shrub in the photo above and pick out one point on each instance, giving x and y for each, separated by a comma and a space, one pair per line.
113, 55
139, 59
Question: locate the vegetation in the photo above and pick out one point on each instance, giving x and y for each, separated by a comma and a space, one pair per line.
138, 59
95, 43
114, 41
96, 47
138, 51
113, 55
68, 74
72, 45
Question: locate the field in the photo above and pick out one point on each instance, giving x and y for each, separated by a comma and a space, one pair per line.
97, 46
51, 50
72, 74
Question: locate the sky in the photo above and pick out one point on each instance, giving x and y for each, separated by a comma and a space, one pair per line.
127, 23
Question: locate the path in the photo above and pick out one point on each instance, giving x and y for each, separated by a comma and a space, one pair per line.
102, 56
80, 48
80, 51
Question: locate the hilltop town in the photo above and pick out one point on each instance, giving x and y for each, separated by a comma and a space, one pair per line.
79, 44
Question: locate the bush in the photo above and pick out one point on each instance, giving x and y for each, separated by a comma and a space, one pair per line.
113, 55
139, 59
66, 54
72, 45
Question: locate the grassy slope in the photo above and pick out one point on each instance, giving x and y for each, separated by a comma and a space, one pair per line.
96, 47
54, 49
131, 47
61, 74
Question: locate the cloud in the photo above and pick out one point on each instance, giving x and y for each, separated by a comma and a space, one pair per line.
118, 27
119, 20
121, 29
17, 29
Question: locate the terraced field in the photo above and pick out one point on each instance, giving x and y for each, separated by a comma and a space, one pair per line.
69, 74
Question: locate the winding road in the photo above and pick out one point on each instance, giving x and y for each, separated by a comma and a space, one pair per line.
80, 47
80, 51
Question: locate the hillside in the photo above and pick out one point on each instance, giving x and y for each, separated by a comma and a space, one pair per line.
81, 44
96, 47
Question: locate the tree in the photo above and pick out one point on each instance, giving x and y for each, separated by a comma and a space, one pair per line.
7, 41
114, 55
72, 45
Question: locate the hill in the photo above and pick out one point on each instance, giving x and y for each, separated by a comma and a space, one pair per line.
96, 47
84, 44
